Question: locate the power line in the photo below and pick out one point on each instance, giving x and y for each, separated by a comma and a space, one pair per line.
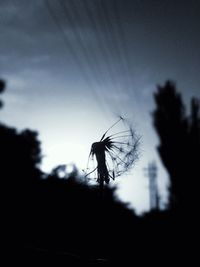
101, 52
127, 62
72, 16
70, 48
101, 49
109, 51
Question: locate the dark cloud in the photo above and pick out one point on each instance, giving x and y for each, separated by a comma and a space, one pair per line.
107, 38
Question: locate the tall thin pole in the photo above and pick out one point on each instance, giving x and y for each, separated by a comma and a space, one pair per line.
153, 186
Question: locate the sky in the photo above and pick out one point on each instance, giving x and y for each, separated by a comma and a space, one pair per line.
73, 66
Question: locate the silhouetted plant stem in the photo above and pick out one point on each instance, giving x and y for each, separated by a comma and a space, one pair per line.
101, 187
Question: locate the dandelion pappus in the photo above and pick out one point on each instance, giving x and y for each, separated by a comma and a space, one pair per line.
115, 154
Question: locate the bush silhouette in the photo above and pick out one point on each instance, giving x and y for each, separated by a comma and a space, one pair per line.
52, 213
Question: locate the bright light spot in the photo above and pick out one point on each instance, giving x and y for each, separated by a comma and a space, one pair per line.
61, 174
70, 168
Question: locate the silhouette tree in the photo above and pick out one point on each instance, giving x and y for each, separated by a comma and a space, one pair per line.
20, 151
179, 144
20, 156
2, 88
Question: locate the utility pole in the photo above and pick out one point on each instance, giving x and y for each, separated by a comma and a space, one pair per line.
153, 186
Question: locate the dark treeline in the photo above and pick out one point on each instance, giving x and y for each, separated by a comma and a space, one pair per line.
63, 222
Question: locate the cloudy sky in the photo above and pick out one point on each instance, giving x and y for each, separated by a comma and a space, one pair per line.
73, 66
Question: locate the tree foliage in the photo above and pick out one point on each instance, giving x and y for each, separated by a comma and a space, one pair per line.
179, 147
